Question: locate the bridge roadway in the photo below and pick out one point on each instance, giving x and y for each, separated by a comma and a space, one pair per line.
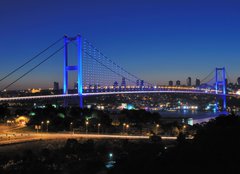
6, 139
208, 92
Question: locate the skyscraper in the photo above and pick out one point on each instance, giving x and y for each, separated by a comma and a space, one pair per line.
137, 83
170, 83
189, 81
198, 82
178, 83
55, 86
123, 81
142, 83
115, 84
75, 85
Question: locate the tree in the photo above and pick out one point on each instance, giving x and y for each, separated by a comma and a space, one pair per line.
4, 111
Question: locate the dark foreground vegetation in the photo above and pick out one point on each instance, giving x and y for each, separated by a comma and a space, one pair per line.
74, 119
215, 149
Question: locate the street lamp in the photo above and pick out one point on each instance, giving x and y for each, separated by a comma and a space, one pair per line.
124, 124
184, 128
110, 155
42, 126
127, 126
99, 127
71, 127
47, 124
86, 123
157, 126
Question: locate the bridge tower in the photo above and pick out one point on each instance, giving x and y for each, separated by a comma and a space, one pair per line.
220, 86
77, 68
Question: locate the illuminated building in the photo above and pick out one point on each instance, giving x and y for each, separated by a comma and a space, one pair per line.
75, 85
126, 106
115, 84
137, 83
170, 83
198, 83
33, 91
55, 86
189, 81
178, 83
123, 81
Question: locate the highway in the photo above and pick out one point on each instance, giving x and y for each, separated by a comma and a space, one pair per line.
12, 138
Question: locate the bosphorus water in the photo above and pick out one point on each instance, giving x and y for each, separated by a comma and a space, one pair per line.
197, 116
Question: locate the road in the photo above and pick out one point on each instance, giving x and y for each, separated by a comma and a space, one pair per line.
12, 138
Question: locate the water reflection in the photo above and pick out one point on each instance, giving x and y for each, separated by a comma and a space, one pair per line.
198, 117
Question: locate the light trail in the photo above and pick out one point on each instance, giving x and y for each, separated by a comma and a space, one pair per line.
21, 138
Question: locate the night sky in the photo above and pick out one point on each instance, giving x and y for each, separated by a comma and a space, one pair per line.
158, 40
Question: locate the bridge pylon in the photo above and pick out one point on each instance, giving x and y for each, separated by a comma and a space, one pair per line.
220, 86
77, 67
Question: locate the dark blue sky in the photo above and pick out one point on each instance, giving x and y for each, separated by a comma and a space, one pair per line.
158, 40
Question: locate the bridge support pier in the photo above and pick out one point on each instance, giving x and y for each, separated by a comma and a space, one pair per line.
220, 87
65, 104
81, 101
77, 68
224, 98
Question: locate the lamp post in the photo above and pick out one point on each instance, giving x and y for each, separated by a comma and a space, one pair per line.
124, 124
157, 126
42, 126
86, 123
71, 127
47, 124
127, 126
99, 127
184, 128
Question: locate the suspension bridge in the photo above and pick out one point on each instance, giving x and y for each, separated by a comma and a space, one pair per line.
99, 75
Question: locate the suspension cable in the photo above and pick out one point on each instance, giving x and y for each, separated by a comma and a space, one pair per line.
32, 68
228, 77
207, 76
108, 59
30, 60
107, 67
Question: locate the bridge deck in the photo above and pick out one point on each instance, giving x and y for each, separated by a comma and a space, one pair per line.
93, 93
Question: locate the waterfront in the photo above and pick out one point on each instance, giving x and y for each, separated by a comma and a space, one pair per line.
197, 116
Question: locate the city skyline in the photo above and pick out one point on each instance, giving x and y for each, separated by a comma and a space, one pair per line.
119, 86
155, 40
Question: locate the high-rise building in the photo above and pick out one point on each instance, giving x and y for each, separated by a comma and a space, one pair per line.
170, 83
55, 86
115, 84
123, 81
238, 80
198, 82
137, 83
178, 83
189, 81
75, 85
142, 83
